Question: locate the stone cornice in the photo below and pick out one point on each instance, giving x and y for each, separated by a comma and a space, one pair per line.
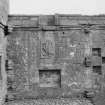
56, 22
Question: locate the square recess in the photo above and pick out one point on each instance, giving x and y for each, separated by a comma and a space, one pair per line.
97, 69
50, 78
103, 60
96, 52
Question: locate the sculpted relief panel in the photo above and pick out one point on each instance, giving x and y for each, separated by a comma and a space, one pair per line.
71, 48
47, 47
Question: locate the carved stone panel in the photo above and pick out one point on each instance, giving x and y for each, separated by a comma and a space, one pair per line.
50, 78
71, 45
47, 47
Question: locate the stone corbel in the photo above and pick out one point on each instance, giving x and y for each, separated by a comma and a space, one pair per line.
86, 28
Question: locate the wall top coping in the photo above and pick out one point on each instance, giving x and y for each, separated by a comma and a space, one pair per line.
55, 20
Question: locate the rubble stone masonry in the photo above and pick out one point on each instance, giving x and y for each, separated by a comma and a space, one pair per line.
55, 55
3, 21
51, 56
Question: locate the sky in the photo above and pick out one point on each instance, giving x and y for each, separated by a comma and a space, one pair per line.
34, 7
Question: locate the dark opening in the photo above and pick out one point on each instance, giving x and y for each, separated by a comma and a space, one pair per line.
96, 51
8, 66
97, 69
9, 84
103, 59
50, 78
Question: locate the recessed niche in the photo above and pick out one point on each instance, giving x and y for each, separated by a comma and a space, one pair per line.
87, 62
50, 78
96, 51
8, 65
97, 69
103, 59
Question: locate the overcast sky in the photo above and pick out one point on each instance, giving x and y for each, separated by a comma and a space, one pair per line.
85, 7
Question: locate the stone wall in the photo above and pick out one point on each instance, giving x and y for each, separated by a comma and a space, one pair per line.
72, 44
3, 21
3, 81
